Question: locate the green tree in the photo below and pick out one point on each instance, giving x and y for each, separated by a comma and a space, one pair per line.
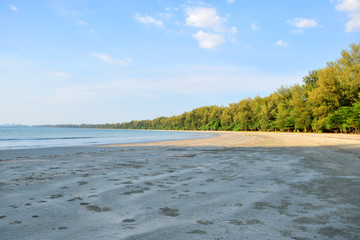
226, 119
311, 81
325, 98
255, 110
281, 99
328, 100
301, 111
346, 118
242, 115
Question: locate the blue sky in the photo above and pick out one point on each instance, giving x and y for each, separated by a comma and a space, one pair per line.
79, 61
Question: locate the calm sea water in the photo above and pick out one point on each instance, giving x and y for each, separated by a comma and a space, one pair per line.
36, 137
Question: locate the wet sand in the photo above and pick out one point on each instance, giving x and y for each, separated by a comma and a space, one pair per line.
233, 186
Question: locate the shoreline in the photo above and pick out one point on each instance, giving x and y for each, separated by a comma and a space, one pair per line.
345, 142
222, 139
101, 141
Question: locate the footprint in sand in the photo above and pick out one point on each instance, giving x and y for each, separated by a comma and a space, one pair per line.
197, 231
128, 220
54, 196
253, 222
171, 212
204, 222
15, 222
96, 208
201, 192
149, 183
75, 198
236, 222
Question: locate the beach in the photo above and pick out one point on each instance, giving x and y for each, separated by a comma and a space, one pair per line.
237, 185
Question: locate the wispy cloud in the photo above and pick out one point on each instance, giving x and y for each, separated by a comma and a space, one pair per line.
60, 74
352, 8
67, 10
254, 26
208, 40
230, 1
82, 22
282, 43
194, 81
148, 20
303, 23
14, 8
108, 59
233, 30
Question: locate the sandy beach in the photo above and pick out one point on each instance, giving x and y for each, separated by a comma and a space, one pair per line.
237, 185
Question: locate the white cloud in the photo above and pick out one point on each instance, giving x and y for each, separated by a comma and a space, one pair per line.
148, 20
60, 74
209, 19
81, 22
204, 17
254, 26
195, 80
108, 59
14, 8
282, 43
230, 1
208, 40
352, 7
233, 30
303, 23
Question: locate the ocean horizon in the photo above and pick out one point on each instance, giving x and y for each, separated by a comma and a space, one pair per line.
23, 137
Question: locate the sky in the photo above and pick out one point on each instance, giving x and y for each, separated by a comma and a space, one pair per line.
89, 61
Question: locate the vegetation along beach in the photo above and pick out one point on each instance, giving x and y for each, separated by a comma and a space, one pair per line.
156, 120
327, 101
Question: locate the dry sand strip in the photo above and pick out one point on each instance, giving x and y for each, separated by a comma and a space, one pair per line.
346, 142
234, 186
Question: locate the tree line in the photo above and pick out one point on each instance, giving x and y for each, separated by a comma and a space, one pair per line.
326, 101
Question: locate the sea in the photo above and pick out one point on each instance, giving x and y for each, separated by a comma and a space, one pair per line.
45, 137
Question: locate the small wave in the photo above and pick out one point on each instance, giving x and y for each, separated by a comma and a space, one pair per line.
41, 139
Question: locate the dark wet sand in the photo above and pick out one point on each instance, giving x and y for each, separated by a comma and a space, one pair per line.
235, 186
